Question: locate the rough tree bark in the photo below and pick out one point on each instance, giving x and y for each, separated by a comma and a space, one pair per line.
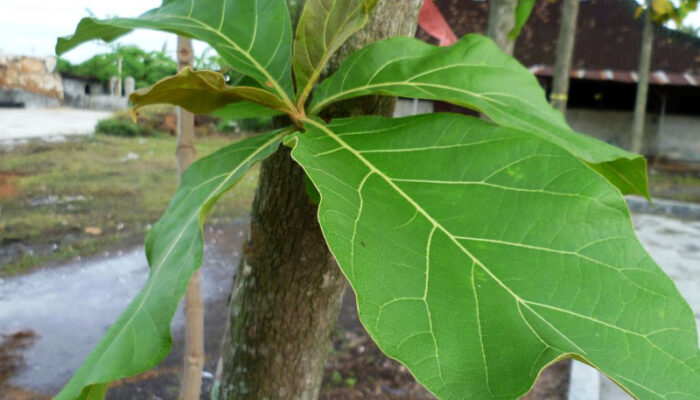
288, 289
193, 362
565, 50
640, 106
501, 22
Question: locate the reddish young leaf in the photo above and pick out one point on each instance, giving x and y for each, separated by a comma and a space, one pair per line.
431, 20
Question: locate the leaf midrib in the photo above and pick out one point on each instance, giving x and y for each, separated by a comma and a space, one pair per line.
318, 107
420, 209
454, 239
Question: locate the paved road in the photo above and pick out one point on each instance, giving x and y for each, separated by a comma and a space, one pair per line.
47, 122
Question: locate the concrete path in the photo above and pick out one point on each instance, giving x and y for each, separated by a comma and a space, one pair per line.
46, 123
675, 245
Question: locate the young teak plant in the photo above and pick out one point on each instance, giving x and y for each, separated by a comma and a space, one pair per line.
480, 252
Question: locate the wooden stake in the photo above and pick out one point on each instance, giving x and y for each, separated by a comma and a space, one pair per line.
193, 363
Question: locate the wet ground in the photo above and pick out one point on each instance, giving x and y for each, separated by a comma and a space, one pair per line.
68, 309
21, 123
63, 311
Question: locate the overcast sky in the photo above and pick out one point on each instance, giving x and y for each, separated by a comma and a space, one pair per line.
30, 27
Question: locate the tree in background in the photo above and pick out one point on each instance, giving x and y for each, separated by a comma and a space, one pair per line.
659, 12
147, 67
565, 51
502, 21
640, 104
690, 30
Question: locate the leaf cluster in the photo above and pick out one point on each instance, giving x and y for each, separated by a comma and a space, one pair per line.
663, 11
480, 251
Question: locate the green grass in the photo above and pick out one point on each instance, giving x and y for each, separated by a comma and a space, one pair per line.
51, 192
675, 185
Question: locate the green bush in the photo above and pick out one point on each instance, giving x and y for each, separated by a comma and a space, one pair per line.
244, 125
122, 127
227, 127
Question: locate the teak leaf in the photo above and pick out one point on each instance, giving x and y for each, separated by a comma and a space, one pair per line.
254, 37
140, 338
475, 74
481, 254
323, 27
201, 92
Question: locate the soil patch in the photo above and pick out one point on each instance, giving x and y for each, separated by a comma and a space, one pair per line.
357, 369
8, 185
11, 361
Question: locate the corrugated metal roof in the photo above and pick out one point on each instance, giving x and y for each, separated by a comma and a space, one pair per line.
655, 77
608, 40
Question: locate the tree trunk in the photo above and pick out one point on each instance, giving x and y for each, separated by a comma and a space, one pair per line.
288, 288
193, 362
565, 50
501, 22
640, 106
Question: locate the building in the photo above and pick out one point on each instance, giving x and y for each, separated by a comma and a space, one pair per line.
603, 77
29, 82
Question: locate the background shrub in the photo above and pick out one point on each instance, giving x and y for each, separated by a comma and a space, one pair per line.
120, 127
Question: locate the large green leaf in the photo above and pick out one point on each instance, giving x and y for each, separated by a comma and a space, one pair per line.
202, 92
474, 73
481, 254
140, 338
254, 37
323, 27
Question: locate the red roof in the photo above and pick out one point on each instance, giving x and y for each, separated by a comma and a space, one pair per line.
608, 41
